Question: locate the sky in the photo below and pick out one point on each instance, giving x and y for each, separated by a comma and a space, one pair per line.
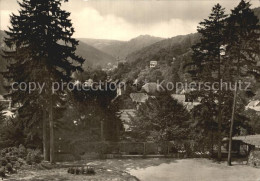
126, 19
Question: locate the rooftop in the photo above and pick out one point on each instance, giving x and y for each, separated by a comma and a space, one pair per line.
139, 97
249, 139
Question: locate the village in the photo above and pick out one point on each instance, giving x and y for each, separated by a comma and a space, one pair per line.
158, 90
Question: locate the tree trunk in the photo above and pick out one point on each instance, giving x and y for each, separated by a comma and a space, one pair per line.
51, 131
219, 121
219, 136
231, 125
102, 131
44, 137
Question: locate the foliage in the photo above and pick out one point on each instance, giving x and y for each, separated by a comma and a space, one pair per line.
226, 53
33, 157
52, 60
86, 111
161, 118
12, 158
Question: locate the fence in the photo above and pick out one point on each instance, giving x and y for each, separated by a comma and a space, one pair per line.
85, 149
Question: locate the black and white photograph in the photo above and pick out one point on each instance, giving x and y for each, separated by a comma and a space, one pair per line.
130, 90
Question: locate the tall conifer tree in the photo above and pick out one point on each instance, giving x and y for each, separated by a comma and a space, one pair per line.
42, 51
208, 65
243, 47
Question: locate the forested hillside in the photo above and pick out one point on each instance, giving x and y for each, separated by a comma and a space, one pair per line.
164, 51
171, 55
120, 49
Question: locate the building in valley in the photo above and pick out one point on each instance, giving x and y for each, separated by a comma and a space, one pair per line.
153, 63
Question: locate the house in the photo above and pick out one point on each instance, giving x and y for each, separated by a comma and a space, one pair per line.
88, 83
254, 105
243, 144
182, 99
249, 139
8, 112
130, 107
139, 97
153, 64
151, 88
2, 98
6, 102
121, 62
125, 116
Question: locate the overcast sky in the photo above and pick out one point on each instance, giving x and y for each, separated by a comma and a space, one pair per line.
126, 19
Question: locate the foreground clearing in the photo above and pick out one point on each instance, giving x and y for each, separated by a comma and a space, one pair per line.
149, 170
197, 170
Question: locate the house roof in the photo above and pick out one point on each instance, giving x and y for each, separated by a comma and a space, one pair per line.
249, 139
253, 103
139, 97
8, 113
125, 116
181, 99
1, 98
151, 87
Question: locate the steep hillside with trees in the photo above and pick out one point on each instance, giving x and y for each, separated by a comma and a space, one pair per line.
171, 55
164, 51
93, 56
120, 49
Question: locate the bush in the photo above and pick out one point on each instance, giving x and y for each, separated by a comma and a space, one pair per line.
17, 165
2, 172
90, 170
29, 159
9, 167
33, 156
3, 162
22, 153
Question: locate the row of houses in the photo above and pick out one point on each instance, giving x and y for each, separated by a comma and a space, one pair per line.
149, 90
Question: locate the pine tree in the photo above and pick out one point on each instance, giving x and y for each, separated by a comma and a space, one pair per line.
42, 51
243, 47
208, 64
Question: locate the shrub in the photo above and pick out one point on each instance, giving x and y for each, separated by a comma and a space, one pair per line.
13, 158
36, 156
77, 171
33, 156
9, 167
3, 162
2, 172
90, 170
22, 153
17, 165
29, 159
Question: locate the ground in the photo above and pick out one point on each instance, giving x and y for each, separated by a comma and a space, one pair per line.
150, 170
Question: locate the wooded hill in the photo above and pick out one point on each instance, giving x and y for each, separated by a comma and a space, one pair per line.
164, 51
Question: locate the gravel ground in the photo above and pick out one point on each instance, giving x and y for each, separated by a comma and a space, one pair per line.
197, 170
146, 170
